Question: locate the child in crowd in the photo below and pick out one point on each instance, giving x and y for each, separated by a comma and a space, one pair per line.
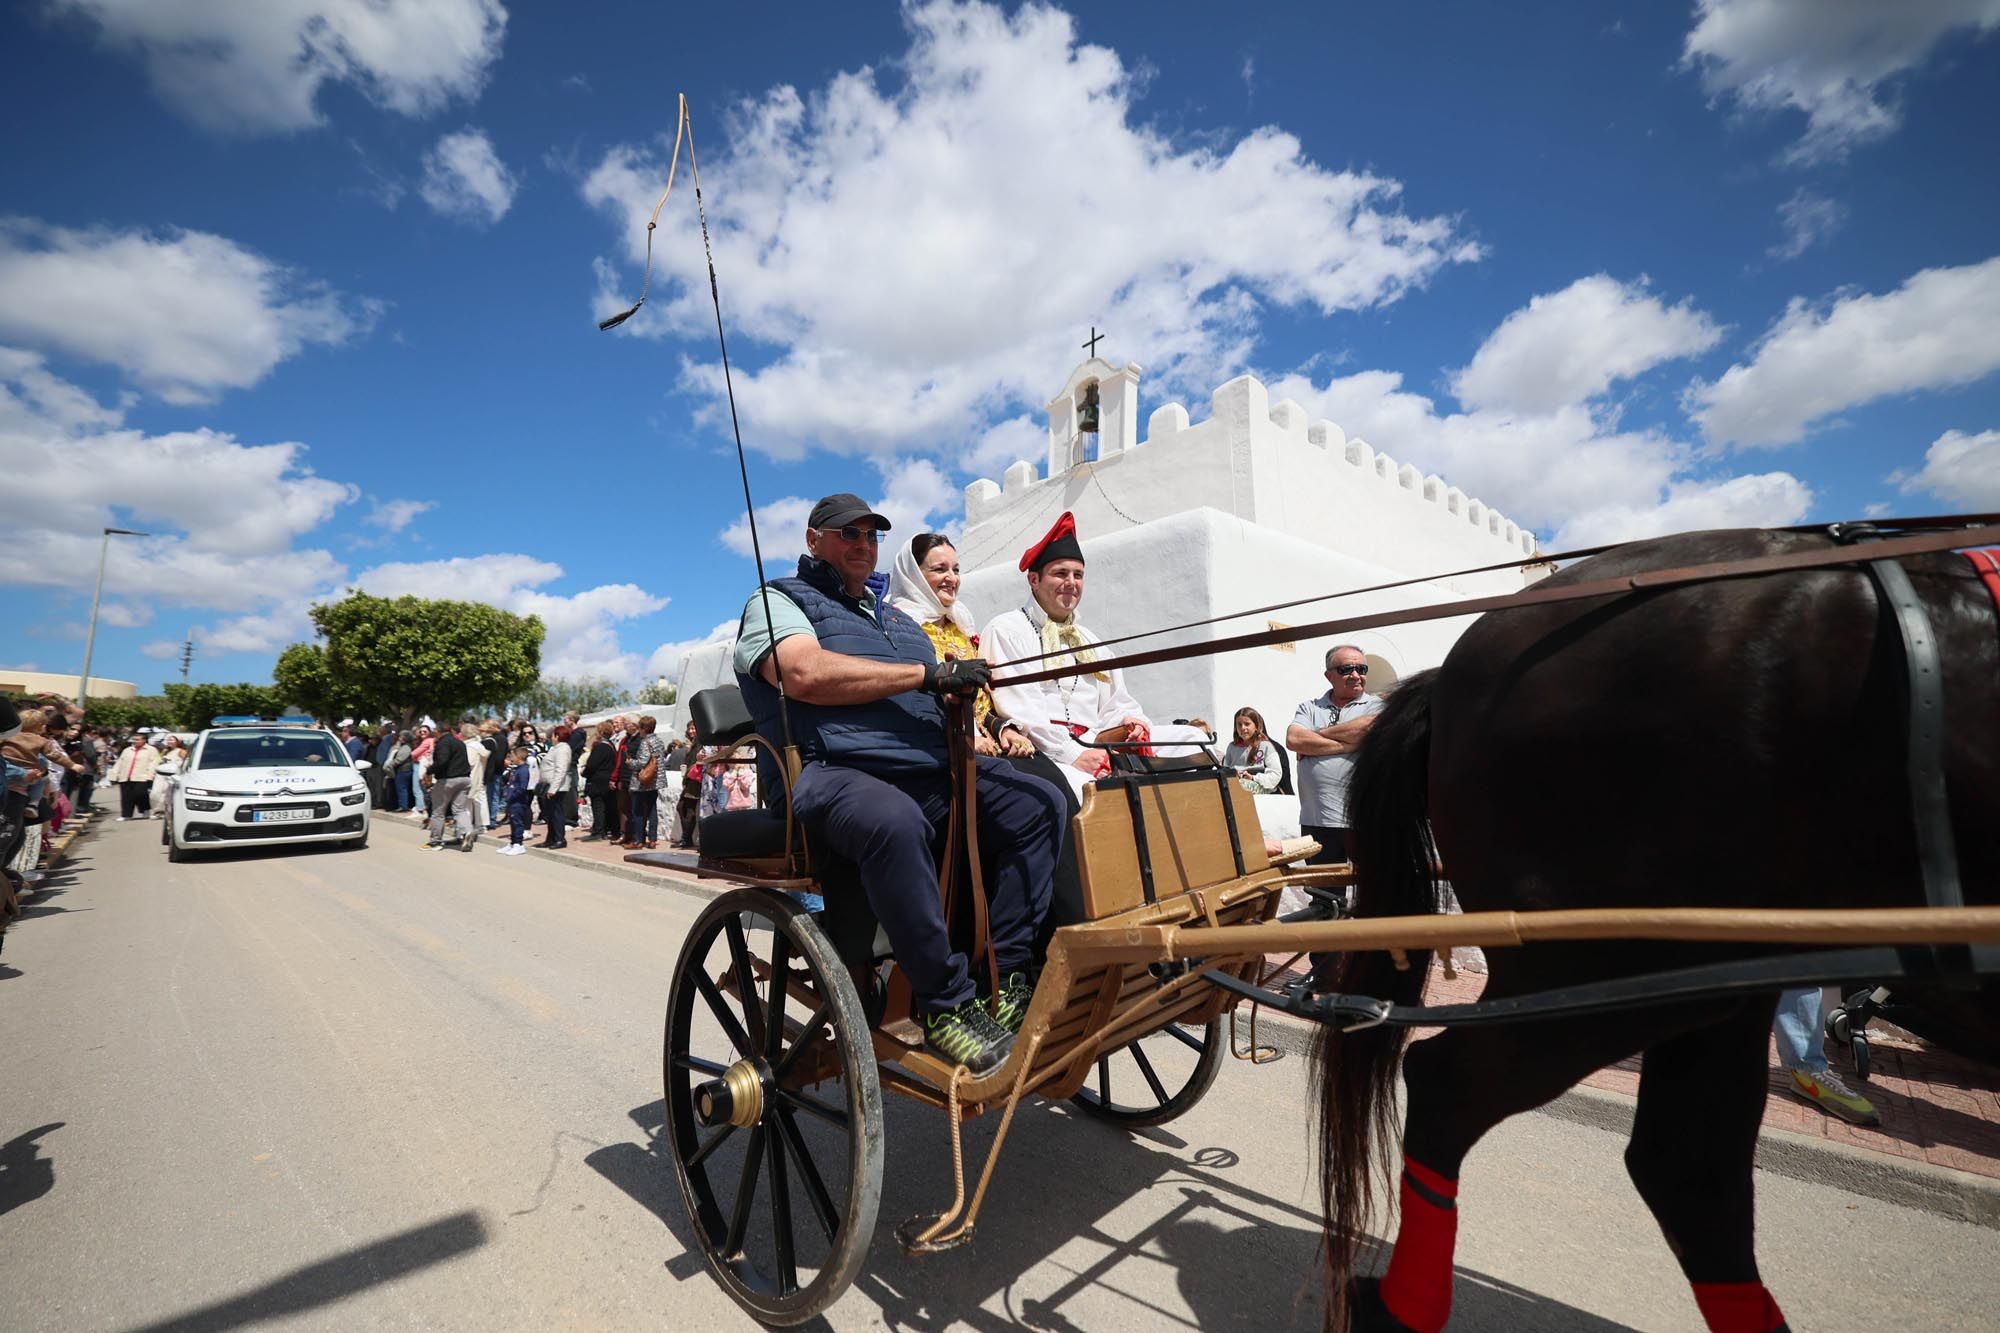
520, 793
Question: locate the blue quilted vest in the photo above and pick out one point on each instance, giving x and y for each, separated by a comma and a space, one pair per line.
903, 734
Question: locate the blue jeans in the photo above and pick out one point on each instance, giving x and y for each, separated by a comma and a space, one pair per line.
1801, 1040
892, 833
399, 789
493, 805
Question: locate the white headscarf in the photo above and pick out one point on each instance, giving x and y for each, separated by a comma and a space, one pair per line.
911, 593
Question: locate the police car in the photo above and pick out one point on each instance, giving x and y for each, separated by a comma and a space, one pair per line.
253, 783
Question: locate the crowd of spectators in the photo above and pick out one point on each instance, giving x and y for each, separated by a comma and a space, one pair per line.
616, 780
53, 763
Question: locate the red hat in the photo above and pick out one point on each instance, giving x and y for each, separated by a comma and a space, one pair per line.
1059, 544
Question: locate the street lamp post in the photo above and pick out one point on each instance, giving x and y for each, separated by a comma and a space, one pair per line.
90, 635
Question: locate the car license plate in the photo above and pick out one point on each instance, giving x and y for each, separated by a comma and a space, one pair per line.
278, 816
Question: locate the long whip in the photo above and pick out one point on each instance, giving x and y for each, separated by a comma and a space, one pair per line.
685, 130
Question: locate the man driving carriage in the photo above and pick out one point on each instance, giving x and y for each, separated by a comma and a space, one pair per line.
863, 684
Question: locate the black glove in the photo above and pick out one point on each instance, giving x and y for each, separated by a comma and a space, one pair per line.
961, 675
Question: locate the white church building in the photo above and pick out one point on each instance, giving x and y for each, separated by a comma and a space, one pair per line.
1253, 505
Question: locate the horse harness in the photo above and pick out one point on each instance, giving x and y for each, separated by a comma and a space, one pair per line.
1957, 965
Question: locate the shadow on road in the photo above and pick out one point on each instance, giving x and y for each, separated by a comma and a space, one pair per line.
1065, 1192
337, 1278
25, 1175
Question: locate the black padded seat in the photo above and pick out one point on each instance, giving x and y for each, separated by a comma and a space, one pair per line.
739, 835
720, 716
1126, 761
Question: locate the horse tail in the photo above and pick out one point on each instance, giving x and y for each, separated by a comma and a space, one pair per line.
1390, 842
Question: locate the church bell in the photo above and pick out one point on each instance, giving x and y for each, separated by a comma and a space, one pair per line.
1086, 412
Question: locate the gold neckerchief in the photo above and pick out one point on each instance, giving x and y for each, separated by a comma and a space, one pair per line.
1064, 637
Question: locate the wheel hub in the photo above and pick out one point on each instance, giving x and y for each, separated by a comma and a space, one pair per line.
737, 1098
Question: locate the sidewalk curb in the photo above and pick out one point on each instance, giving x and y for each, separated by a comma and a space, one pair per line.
656, 878
1958, 1195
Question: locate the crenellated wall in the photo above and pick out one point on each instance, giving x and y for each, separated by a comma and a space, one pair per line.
1264, 463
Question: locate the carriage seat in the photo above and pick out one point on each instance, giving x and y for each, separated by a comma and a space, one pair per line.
722, 718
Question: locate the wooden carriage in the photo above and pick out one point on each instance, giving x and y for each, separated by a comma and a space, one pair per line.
788, 1019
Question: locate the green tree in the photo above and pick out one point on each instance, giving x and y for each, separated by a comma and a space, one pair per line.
192, 707
399, 657
655, 694
552, 696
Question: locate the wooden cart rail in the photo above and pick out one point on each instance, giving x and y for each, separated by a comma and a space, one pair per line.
1109, 942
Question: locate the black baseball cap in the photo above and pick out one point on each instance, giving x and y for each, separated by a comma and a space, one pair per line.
837, 511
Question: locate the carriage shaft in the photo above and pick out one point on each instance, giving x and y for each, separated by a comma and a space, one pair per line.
1882, 925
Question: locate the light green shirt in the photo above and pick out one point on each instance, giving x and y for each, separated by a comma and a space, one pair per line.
756, 639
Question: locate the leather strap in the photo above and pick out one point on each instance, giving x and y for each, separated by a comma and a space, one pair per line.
1930, 802
1891, 548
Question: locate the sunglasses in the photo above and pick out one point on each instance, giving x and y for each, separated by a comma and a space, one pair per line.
851, 533
1351, 669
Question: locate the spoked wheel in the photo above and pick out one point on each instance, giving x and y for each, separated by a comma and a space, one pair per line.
1156, 1078
774, 1107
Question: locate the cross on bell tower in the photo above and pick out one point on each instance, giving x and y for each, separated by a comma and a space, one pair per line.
1095, 338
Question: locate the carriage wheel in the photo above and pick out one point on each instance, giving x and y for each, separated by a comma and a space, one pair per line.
774, 1107
1156, 1078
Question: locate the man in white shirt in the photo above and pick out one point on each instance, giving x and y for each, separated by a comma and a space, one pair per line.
1063, 717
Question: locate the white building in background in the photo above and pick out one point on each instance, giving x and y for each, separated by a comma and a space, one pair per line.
1252, 506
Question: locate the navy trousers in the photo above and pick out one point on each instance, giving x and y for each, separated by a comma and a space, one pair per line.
893, 833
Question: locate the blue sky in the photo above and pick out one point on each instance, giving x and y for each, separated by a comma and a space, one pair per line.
308, 291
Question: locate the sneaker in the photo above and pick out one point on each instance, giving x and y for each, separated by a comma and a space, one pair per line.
1016, 990
514, 849
433, 846
121, 819
1826, 1090
968, 1036
471, 837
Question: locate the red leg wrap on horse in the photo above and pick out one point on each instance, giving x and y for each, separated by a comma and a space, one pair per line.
1738, 1307
1417, 1287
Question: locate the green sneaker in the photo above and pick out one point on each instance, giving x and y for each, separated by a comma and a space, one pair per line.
968, 1036
1016, 990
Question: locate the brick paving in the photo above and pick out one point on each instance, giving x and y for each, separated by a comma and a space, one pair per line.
1936, 1107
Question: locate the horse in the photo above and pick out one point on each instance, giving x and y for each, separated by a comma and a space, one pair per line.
1731, 743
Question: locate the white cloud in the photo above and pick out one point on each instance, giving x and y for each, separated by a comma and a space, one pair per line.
916, 496
1004, 444
22, 666
161, 650
259, 67
184, 313
582, 637
910, 248
1570, 346
666, 659
125, 615
1959, 469
1537, 441
1940, 329
1768, 499
465, 179
1830, 59
781, 530
228, 498
225, 515
1807, 218
395, 515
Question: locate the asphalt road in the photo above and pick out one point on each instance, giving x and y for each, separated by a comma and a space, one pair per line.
398, 1088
